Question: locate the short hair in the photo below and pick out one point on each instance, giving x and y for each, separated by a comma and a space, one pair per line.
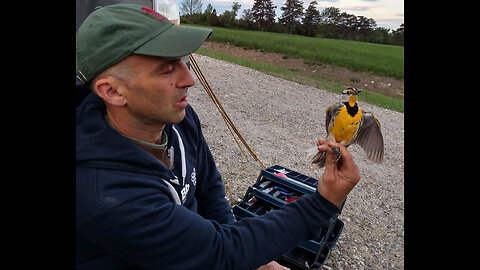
120, 70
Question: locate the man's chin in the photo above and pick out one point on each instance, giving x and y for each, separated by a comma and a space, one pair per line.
178, 117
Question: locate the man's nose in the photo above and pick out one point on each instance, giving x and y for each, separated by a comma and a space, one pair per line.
186, 79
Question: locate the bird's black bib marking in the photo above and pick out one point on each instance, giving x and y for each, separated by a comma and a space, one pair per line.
352, 111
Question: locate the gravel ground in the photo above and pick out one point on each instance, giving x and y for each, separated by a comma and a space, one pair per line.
281, 120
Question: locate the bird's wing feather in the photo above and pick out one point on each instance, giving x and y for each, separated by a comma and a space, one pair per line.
331, 113
370, 138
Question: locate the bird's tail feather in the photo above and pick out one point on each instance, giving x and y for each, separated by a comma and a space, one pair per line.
319, 159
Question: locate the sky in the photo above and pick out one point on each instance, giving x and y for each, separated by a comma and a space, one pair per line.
386, 13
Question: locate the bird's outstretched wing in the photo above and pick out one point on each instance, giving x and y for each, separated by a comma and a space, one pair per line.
370, 137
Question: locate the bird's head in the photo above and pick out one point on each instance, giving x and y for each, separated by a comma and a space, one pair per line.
351, 91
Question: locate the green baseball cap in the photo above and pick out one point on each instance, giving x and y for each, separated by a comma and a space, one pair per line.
111, 33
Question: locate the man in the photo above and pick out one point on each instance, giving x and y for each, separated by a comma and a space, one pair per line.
148, 193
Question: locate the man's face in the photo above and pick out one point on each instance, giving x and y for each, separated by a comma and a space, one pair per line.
156, 92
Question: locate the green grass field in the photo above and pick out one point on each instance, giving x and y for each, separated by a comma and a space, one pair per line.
385, 60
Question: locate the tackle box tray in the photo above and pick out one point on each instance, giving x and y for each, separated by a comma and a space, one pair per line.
275, 187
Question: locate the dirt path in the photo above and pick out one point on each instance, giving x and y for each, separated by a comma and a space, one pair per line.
388, 86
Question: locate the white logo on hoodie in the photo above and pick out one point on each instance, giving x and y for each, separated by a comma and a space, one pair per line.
194, 177
185, 192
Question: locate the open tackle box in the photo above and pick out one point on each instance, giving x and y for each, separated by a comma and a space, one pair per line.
277, 186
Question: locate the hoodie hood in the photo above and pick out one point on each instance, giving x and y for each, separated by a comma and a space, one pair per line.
100, 146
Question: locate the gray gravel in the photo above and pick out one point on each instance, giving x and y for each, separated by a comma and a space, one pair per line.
281, 120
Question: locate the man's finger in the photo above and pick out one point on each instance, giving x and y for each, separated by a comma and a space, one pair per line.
322, 147
330, 162
348, 167
321, 141
330, 151
346, 157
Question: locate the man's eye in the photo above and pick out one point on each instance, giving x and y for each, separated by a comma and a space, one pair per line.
169, 69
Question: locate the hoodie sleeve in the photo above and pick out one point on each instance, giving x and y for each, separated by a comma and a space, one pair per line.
151, 231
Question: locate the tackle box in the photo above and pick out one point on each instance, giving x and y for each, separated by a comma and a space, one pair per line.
275, 187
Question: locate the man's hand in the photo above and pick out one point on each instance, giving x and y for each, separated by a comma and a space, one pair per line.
340, 176
273, 265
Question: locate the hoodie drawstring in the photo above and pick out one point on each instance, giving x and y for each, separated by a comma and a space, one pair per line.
182, 155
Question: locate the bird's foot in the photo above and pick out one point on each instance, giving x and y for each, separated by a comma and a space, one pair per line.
338, 153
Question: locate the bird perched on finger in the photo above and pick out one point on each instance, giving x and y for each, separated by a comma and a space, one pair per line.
347, 124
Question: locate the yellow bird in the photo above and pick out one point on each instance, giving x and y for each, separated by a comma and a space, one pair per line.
346, 124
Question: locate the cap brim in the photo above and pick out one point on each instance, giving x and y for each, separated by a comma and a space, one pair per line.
176, 41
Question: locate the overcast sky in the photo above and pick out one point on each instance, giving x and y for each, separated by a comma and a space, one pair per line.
387, 13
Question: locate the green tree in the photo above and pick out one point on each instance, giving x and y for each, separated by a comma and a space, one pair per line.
204, 18
225, 20
292, 14
213, 19
381, 35
263, 12
364, 28
235, 8
209, 9
311, 19
329, 18
329, 15
336, 24
247, 19
346, 25
398, 35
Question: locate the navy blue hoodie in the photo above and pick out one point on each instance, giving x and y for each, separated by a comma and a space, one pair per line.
133, 212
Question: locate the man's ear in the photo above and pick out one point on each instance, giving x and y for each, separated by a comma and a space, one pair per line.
110, 90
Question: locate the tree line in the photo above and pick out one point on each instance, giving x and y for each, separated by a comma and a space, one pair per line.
327, 23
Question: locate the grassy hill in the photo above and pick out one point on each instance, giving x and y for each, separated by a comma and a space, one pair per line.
385, 60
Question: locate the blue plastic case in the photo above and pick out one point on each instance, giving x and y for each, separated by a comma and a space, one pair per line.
275, 187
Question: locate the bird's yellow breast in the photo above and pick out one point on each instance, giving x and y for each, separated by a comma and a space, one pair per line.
345, 126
